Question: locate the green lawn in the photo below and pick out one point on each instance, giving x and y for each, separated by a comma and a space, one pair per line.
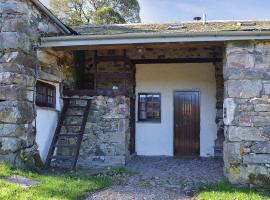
53, 186
225, 191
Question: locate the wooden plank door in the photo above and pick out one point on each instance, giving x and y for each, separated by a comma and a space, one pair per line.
187, 123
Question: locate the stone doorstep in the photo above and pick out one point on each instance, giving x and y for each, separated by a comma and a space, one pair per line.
21, 181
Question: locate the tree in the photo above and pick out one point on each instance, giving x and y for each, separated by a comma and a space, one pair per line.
83, 12
108, 15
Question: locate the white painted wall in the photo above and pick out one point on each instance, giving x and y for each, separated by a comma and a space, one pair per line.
46, 122
157, 138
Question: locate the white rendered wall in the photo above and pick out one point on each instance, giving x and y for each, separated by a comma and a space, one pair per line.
157, 138
46, 122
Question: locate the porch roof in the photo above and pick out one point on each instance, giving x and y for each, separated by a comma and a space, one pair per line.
162, 33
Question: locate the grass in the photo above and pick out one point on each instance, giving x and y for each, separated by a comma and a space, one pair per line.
53, 185
225, 191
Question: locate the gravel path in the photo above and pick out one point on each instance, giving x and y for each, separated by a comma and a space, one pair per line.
163, 178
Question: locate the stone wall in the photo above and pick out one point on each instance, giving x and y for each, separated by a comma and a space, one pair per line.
106, 138
247, 112
21, 25
172, 52
57, 66
219, 106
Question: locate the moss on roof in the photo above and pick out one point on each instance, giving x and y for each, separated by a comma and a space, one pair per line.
211, 26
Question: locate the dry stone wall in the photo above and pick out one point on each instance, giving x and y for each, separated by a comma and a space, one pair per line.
247, 112
106, 138
21, 25
173, 52
219, 106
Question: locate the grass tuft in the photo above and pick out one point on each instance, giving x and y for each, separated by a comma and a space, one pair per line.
53, 185
223, 190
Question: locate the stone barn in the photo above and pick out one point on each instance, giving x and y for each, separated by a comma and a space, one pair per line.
94, 96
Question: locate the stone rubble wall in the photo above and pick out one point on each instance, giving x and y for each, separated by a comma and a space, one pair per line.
57, 66
173, 52
219, 106
21, 25
106, 138
247, 111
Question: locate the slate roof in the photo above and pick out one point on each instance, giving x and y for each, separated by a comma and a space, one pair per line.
210, 26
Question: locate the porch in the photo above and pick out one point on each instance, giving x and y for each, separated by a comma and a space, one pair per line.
117, 127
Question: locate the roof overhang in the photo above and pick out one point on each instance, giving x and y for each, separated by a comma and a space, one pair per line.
142, 38
58, 22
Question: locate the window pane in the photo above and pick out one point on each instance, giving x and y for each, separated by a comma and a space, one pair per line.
45, 94
149, 107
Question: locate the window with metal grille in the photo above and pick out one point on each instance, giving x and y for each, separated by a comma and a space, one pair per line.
149, 107
46, 95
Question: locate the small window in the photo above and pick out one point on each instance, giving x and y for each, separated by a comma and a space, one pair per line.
45, 94
149, 107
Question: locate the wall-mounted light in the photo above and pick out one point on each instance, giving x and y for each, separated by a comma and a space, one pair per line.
115, 87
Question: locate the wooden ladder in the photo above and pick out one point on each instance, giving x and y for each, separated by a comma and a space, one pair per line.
62, 141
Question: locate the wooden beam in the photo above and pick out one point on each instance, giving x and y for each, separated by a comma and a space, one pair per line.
98, 92
113, 59
177, 60
95, 68
113, 75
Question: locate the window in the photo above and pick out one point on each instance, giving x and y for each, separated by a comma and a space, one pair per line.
45, 94
149, 107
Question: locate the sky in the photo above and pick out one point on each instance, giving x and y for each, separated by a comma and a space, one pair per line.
162, 11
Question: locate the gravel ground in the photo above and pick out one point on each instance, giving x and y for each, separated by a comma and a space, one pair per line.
163, 178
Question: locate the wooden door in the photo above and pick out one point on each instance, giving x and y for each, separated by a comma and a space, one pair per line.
186, 123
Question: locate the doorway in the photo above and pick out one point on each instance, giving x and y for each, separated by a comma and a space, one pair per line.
187, 123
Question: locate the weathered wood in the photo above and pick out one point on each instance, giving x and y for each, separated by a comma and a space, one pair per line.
78, 145
187, 123
113, 59
56, 134
95, 68
113, 75
177, 60
72, 158
98, 92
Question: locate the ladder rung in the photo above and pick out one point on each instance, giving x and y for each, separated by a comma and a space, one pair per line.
72, 125
65, 145
68, 115
69, 135
70, 158
76, 106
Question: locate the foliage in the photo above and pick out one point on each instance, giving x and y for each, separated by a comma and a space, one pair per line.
53, 185
107, 15
82, 12
226, 191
